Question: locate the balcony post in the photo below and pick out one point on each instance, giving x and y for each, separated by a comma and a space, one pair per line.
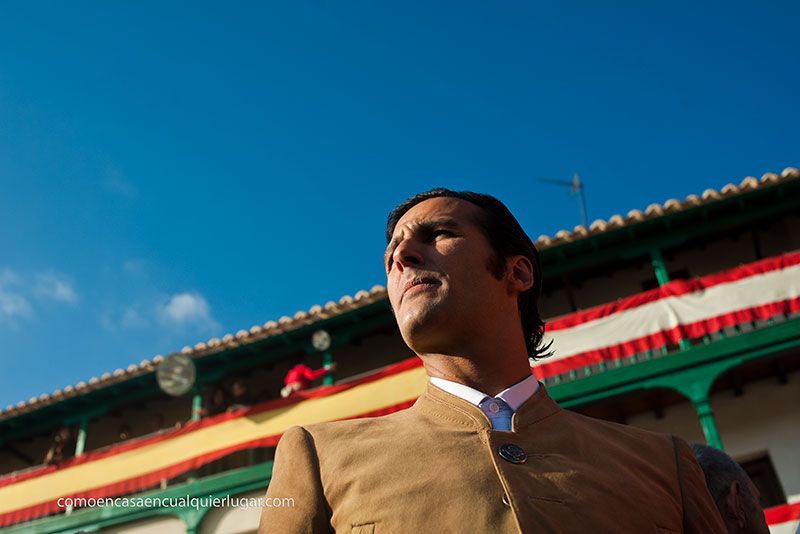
197, 404
707, 421
327, 359
80, 441
660, 268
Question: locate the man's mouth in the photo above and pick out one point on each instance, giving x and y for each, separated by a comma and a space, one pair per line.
419, 283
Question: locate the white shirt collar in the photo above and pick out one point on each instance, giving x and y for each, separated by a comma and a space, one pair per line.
514, 396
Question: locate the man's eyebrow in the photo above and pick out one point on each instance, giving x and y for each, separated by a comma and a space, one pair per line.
440, 221
426, 226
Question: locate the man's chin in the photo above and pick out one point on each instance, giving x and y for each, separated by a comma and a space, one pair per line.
423, 346
419, 317
426, 332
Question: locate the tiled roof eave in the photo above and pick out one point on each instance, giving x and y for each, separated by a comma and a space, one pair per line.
213, 346
655, 211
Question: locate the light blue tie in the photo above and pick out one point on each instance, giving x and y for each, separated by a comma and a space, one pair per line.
498, 412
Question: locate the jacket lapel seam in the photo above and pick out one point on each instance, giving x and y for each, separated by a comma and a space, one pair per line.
526, 424
443, 403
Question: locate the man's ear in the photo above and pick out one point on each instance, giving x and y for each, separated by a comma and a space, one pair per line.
735, 504
519, 273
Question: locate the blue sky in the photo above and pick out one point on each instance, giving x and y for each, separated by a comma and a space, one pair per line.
174, 171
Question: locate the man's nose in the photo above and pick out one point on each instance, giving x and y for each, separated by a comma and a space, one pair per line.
408, 254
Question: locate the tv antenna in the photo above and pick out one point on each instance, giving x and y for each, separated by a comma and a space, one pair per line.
575, 187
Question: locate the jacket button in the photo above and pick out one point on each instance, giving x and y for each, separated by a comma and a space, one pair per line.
512, 453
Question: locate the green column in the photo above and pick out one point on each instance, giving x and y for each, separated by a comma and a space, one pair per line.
660, 268
708, 422
327, 359
197, 404
80, 446
662, 276
80, 442
695, 384
193, 518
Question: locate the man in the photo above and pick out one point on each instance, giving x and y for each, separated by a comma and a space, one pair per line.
216, 403
484, 449
62, 448
735, 495
240, 396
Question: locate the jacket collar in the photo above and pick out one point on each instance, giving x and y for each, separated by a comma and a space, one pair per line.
515, 395
455, 411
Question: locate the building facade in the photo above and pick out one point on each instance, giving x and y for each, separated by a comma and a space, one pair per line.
683, 318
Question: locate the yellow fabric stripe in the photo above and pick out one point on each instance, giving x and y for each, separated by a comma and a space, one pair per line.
376, 395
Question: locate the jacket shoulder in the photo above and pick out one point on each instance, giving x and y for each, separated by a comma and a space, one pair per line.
611, 431
358, 429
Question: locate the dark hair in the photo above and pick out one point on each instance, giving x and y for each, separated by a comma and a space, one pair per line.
720, 471
507, 238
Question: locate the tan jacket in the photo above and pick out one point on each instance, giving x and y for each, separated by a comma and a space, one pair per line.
437, 467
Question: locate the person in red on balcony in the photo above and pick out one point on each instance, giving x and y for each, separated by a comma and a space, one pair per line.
301, 376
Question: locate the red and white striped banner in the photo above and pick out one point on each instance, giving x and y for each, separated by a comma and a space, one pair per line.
784, 519
679, 310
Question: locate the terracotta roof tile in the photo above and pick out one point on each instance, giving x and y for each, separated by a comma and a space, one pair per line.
616, 221
580, 230
654, 209
692, 201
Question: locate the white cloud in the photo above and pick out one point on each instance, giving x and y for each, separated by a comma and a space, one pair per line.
54, 287
188, 308
17, 292
131, 318
186, 312
13, 303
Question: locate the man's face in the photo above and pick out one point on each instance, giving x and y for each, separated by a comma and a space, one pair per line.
438, 277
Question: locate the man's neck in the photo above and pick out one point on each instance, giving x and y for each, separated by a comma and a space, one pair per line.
489, 378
